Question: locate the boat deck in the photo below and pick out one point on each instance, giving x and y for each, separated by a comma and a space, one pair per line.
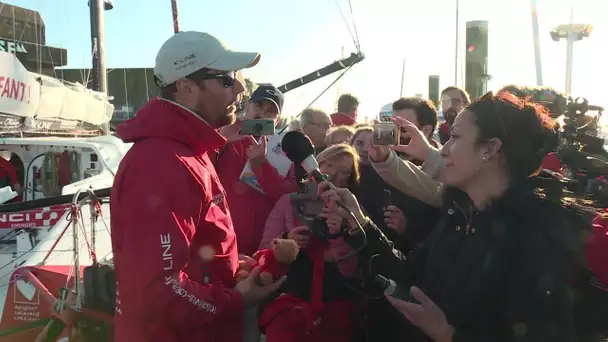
62, 254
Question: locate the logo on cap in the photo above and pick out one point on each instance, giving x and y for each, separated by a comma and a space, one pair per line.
272, 92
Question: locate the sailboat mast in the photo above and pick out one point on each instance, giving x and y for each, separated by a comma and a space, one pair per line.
457, 40
175, 16
99, 74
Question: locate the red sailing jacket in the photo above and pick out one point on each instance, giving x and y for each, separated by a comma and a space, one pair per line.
343, 119
249, 207
596, 249
174, 246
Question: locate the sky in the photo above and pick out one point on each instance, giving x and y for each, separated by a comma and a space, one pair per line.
296, 37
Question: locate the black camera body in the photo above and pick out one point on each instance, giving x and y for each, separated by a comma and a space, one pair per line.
581, 150
307, 206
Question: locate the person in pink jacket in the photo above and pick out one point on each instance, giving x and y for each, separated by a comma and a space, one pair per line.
316, 305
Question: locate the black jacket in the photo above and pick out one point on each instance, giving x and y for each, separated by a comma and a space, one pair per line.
420, 217
382, 321
503, 274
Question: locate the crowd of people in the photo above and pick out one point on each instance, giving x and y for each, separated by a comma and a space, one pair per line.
452, 215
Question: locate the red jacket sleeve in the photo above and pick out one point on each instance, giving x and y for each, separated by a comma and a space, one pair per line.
152, 233
273, 184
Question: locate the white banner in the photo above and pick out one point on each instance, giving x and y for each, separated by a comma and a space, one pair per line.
19, 89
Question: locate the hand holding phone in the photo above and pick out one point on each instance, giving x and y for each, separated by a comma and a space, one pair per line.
386, 133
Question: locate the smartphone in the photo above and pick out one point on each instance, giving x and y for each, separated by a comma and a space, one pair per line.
386, 133
257, 127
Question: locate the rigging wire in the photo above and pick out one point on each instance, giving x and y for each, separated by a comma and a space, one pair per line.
352, 36
358, 45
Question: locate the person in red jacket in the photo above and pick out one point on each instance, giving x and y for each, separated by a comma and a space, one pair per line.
348, 106
249, 206
173, 241
8, 175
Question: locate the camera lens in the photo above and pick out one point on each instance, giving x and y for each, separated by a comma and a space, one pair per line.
258, 127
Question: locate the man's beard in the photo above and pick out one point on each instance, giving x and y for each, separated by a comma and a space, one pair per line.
228, 118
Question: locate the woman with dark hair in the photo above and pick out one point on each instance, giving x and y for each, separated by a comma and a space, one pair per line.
499, 265
316, 303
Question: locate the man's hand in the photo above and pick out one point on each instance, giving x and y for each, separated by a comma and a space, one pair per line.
257, 153
301, 235
246, 265
231, 132
252, 290
394, 219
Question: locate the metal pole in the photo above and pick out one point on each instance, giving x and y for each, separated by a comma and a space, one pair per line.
402, 78
537, 60
456, 43
99, 74
569, 53
175, 16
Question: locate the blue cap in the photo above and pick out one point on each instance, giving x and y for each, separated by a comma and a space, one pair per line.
267, 91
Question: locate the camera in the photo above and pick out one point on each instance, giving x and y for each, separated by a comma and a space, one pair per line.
257, 127
307, 206
386, 133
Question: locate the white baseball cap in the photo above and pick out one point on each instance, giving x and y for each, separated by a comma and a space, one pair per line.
187, 52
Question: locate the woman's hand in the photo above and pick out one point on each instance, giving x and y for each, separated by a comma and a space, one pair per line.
377, 153
427, 316
419, 147
300, 234
394, 219
332, 219
331, 195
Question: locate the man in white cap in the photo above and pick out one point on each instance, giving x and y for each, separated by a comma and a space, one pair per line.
174, 246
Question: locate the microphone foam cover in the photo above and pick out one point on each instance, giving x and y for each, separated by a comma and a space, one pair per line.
297, 146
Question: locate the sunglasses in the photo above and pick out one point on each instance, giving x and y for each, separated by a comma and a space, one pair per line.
228, 78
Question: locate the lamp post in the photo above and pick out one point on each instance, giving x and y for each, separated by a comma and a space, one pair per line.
571, 33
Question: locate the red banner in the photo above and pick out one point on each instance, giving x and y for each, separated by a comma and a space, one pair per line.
26, 304
35, 218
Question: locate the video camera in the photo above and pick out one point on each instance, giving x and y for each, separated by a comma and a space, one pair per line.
581, 150
307, 206
581, 130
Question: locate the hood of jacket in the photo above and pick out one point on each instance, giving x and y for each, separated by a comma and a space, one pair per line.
165, 119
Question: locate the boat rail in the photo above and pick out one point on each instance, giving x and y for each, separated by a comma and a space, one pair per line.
67, 307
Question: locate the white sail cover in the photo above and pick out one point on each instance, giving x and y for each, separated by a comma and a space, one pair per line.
29, 95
